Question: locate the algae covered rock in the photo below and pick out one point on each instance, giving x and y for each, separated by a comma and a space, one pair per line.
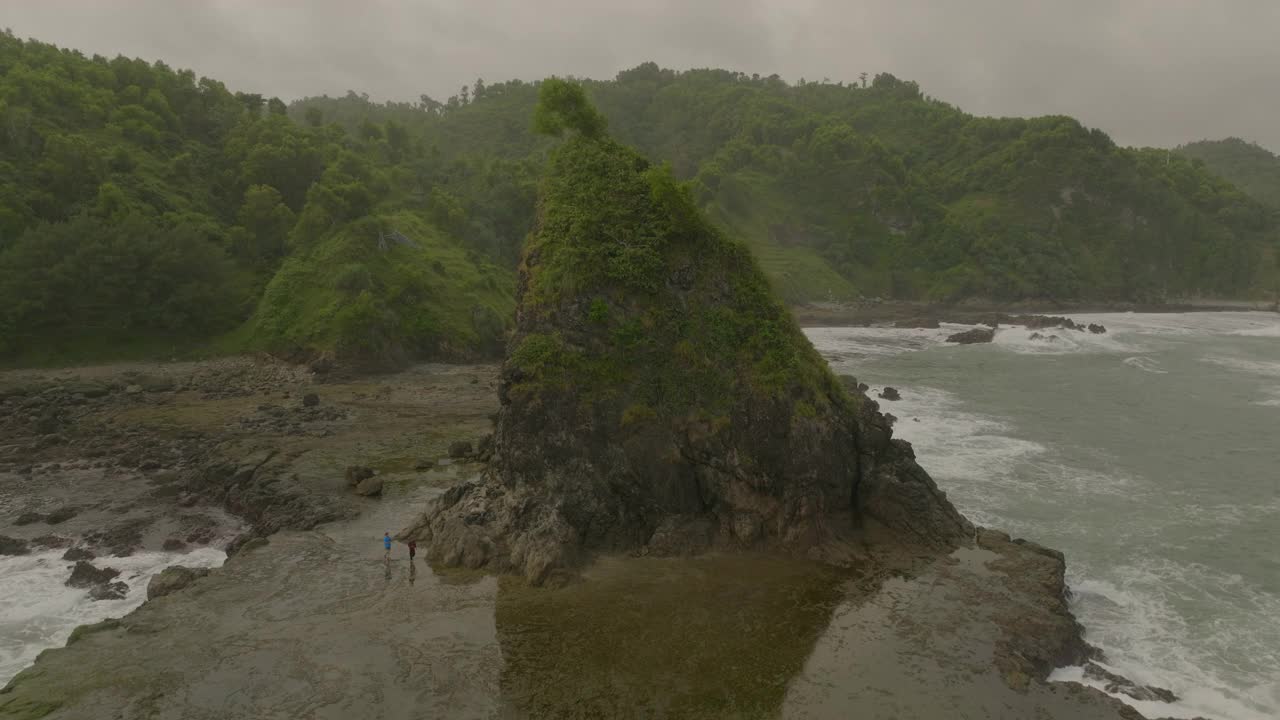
656, 392
173, 579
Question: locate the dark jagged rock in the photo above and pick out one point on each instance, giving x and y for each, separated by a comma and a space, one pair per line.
370, 487
172, 579
28, 518
122, 539
85, 575
1041, 322
13, 546
460, 449
357, 473
973, 337
109, 591
51, 542
1096, 329
76, 554
658, 398
310, 400
1043, 634
890, 394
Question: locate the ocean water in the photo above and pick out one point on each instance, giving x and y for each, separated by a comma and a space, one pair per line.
38, 611
1149, 455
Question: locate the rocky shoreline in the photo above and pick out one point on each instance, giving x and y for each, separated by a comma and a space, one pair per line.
993, 605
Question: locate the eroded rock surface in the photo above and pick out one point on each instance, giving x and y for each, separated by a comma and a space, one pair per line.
173, 579
658, 397
973, 337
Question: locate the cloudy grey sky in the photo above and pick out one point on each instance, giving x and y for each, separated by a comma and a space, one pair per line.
1150, 72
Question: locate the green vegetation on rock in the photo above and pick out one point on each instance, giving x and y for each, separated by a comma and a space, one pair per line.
658, 397
624, 234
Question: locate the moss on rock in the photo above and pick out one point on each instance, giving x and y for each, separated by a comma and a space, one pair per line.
655, 383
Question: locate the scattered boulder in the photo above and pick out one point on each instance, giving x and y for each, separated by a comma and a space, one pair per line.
245, 542
109, 591
973, 337
1117, 684
890, 394
77, 554
1096, 329
460, 449
424, 465
13, 546
173, 579
310, 400
62, 515
28, 518
174, 545
370, 487
51, 542
134, 389
1040, 322
86, 575
356, 473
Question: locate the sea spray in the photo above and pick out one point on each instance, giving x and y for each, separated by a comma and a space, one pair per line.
38, 611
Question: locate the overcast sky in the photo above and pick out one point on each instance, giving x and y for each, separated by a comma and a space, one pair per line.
1149, 72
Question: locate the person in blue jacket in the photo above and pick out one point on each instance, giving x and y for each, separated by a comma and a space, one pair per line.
386, 544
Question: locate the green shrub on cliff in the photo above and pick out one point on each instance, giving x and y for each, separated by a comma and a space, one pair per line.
643, 300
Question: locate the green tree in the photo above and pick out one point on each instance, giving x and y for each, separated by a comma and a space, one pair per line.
563, 105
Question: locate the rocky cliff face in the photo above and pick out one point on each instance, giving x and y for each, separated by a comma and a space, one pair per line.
658, 398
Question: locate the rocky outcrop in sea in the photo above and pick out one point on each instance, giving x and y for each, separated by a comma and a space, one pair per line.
659, 399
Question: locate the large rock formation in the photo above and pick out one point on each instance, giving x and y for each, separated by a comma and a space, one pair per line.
657, 397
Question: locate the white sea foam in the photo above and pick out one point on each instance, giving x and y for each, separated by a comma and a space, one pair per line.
1145, 364
1265, 331
1252, 367
1271, 399
1139, 618
1057, 341
1211, 636
1184, 325
852, 343
38, 611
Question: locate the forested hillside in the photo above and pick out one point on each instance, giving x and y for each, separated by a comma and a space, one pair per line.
1248, 166
845, 190
144, 210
